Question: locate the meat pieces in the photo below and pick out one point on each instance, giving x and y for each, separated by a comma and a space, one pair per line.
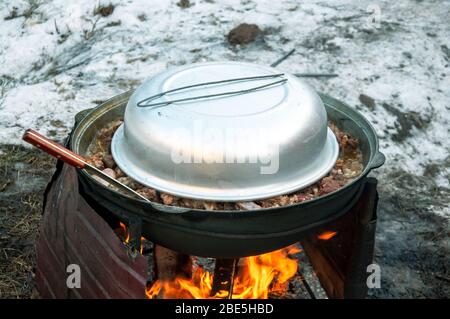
348, 166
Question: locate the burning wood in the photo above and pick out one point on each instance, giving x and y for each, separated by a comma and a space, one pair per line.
224, 272
123, 233
170, 264
255, 278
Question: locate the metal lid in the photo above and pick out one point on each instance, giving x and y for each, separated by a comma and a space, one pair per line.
237, 147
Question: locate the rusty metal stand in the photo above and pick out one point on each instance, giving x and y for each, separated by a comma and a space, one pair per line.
341, 263
224, 274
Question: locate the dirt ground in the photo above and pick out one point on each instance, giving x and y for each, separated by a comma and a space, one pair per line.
24, 174
412, 242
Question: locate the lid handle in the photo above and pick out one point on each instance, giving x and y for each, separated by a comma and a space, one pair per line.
144, 102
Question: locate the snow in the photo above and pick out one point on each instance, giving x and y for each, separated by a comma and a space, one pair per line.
398, 59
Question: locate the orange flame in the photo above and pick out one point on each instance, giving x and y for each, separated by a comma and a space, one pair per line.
125, 236
141, 250
256, 278
327, 235
125, 232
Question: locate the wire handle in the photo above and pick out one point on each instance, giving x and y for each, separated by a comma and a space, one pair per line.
144, 102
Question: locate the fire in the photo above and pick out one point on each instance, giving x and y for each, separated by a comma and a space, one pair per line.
124, 232
327, 235
256, 278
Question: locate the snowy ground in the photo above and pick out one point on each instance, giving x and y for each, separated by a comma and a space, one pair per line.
58, 58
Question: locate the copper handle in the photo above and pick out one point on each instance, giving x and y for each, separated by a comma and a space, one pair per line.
54, 149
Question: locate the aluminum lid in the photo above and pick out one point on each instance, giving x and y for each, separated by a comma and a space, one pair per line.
240, 147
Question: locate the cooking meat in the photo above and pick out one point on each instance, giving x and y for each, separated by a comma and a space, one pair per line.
109, 162
110, 172
96, 160
348, 166
149, 193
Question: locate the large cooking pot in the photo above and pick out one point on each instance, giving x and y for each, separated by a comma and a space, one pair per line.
226, 234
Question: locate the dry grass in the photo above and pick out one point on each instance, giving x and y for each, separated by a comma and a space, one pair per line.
28, 12
23, 177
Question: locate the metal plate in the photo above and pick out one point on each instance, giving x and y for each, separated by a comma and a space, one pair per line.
226, 191
237, 148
